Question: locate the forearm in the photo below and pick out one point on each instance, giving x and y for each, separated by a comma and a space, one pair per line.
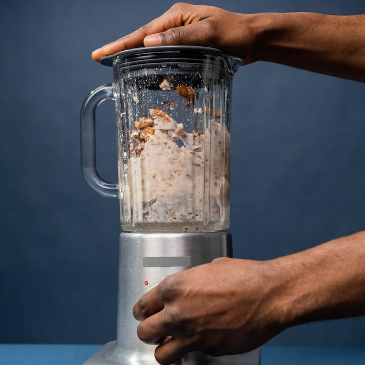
325, 282
328, 44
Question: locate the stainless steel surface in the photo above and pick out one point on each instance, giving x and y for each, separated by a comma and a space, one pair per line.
111, 354
145, 260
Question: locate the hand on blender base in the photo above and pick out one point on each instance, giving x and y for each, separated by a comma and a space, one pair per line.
232, 306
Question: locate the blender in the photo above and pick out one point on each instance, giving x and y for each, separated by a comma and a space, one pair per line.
173, 113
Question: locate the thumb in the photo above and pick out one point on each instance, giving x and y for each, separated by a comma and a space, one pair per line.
153, 40
196, 34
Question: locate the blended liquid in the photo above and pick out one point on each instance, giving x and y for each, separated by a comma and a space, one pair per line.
177, 180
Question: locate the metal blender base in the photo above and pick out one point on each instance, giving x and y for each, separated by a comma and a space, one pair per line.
111, 354
145, 260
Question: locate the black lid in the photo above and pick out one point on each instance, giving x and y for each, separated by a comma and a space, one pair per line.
169, 53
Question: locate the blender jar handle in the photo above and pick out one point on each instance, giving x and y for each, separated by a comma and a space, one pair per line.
88, 149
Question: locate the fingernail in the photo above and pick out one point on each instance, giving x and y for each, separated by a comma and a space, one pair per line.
152, 40
96, 55
106, 51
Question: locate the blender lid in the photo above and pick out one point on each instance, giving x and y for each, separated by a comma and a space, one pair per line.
175, 52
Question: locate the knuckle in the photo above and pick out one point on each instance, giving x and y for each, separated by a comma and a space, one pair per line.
144, 29
179, 6
141, 331
169, 288
211, 31
143, 308
173, 35
172, 318
220, 260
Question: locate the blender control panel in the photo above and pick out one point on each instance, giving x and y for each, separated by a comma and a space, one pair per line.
158, 268
177, 261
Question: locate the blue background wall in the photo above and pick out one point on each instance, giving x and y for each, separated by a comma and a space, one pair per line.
298, 174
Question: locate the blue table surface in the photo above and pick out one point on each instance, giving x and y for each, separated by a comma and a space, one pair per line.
270, 355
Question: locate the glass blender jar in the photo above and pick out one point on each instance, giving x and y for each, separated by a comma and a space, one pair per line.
173, 118
173, 113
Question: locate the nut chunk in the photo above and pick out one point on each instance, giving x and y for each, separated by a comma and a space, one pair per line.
143, 123
165, 85
162, 120
186, 92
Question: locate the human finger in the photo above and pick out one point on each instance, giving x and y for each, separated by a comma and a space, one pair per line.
220, 260
178, 15
173, 350
197, 34
132, 40
154, 329
169, 19
149, 304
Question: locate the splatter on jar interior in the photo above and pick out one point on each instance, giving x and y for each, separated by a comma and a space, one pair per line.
173, 111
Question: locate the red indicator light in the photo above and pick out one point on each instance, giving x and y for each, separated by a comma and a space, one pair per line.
146, 282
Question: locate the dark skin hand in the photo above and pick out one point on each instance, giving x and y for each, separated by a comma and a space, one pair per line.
186, 24
203, 309
232, 306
